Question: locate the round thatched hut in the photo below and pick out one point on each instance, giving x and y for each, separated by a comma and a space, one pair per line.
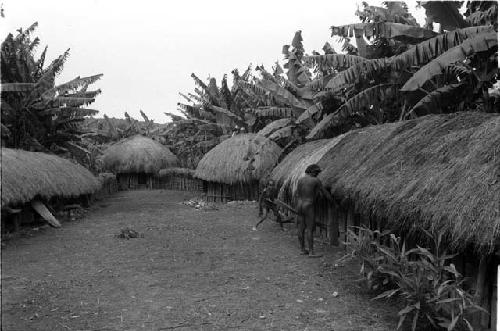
436, 173
27, 176
136, 161
233, 168
181, 179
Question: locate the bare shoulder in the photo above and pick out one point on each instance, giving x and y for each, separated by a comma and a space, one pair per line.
301, 179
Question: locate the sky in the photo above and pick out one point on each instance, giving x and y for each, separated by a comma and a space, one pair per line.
148, 49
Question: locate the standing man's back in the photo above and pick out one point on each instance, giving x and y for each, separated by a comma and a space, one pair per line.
309, 188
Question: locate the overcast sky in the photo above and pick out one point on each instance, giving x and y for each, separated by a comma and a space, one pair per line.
148, 49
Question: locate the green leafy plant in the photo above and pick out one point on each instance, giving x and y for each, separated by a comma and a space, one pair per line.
430, 285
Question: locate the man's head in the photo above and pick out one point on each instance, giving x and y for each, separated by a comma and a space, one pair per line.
313, 170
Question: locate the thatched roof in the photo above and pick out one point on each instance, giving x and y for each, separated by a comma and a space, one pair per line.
176, 171
138, 154
242, 158
292, 168
26, 175
437, 172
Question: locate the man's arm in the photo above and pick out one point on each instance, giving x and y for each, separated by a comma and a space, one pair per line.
324, 191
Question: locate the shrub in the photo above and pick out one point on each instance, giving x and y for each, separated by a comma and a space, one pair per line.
431, 287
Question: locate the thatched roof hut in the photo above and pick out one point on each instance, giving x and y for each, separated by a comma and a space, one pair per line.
176, 172
26, 175
240, 159
138, 154
435, 172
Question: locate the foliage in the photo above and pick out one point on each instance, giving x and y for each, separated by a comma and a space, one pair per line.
431, 287
38, 114
423, 71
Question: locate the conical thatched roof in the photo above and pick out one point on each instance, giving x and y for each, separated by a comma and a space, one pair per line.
242, 158
26, 175
138, 154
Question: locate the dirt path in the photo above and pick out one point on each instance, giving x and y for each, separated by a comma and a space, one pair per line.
193, 270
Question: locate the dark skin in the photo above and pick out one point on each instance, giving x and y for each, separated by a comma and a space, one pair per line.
266, 203
309, 188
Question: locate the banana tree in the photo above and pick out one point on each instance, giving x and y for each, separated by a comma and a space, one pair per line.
38, 114
423, 71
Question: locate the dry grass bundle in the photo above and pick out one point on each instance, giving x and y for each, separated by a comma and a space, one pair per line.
240, 159
138, 154
26, 175
288, 172
176, 171
437, 172
275, 126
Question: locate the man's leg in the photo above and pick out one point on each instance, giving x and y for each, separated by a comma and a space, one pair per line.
266, 211
310, 226
277, 214
260, 207
301, 227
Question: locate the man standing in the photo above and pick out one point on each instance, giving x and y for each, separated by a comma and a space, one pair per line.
309, 188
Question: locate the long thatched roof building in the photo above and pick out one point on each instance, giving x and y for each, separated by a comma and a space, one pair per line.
239, 161
26, 175
436, 172
138, 154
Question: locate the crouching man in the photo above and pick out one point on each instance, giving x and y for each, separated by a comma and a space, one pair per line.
267, 203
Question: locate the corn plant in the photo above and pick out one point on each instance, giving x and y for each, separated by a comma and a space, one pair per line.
424, 278
365, 246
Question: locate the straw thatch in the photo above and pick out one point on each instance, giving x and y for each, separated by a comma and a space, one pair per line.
275, 126
288, 172
240, 159
138, 154
176, 171
26, 175
437, 172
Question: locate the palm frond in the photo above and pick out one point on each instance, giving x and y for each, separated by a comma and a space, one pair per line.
336, 61
418, 55
368, 100
17, 87
281, 94
73, 101
358, 72
174, 117
483, 17
274, 112
469, 47
435, 101
387, 30
312, 113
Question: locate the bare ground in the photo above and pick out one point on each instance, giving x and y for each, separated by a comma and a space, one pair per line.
192, 270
